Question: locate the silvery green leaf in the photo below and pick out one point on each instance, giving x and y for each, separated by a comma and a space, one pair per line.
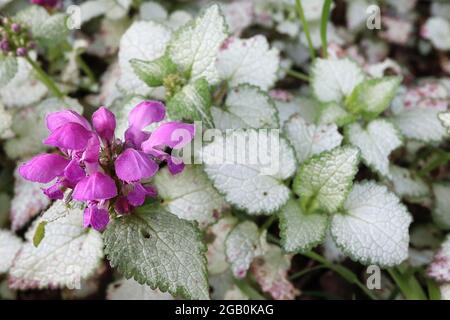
10, 245
219, 231
437, 30
243, 244
192, 103
48, 30
67, 254
300, 231
5, 123
441, 211
307, 108
445, 119
24, 88
28, 201
8, 69
271, 272
248, 61
310, 139
255, 183
189, 195
372, 96
376, 141
421, 124
373, 226
144, 40
406, 184
333, 113
246, 107
333, 80
324, 181
157, 248
194, 47
153, 72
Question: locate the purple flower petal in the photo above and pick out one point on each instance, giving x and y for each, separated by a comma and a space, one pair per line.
57, 119
135, 136
146, 113
55, 192
133, 165
122, 206
73, 173
175, 165
137, 197
71, 136
98, 218
43, 168
172, 134
92, 151
97, 186
151, 191
104, 123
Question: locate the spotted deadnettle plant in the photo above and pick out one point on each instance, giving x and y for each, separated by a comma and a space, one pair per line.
107, 173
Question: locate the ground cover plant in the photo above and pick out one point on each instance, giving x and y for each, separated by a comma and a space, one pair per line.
245, 149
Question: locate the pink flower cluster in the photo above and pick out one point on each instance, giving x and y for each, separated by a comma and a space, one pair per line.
106, 173
50, 4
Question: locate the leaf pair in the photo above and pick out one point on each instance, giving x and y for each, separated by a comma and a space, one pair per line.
367, 222
185, 65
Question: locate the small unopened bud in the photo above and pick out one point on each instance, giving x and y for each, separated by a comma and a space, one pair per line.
21, 52
16, 27
4, 45
31, 45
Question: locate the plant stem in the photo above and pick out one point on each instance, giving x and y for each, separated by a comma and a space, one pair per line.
45, 79
408, 284
342, 271
433, 290
248, 290
303, 272
440, 159
323, 27
268, 222
84, 66
301, 14
298, 75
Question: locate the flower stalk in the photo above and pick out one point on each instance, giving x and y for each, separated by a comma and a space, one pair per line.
44, 78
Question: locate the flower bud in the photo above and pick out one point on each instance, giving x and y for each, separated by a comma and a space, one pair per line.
15, 27
104, 123
4, 45
21, 52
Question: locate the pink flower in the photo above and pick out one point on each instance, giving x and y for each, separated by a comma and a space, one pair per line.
97, 186
96, 217
104, 123
103, 171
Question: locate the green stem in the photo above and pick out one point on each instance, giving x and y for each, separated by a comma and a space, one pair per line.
440, 159
434, 293
248, 290
408, 284
298, 75
301, 14
303, 272
268, 222
345, 273
45, 79
84, 66
323, 27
